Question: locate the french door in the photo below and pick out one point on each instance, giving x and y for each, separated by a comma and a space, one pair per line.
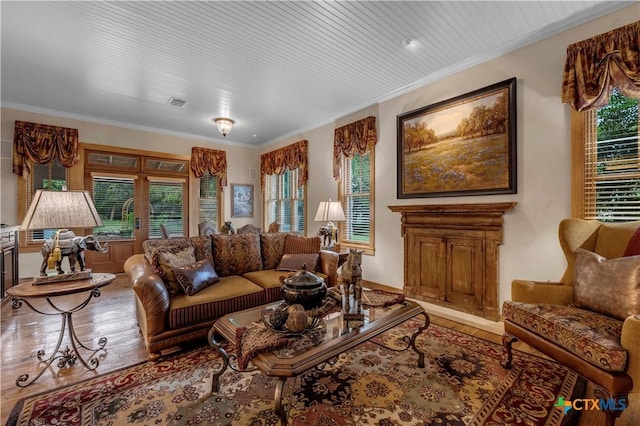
134, 195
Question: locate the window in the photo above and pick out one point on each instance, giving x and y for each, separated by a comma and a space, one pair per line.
357, 196
209, 199
284, 202
166, 206
52, 176
606, 165
115, 202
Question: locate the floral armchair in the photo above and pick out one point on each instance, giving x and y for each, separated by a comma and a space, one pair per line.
589, 321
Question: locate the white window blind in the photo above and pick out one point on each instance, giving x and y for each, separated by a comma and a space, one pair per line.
166, 207
357, 200
209, 199
284, 202
612, 164
114, 201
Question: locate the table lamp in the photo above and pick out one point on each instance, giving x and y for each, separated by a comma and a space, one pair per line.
63, 210
330, 211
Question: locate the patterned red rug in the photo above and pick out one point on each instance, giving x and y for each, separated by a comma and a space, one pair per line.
462, 384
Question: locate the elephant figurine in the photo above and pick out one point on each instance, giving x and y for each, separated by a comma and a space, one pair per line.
67, 244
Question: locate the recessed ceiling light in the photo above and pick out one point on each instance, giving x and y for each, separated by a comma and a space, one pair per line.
409, 42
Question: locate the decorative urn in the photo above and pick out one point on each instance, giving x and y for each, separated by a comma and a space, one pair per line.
304, 288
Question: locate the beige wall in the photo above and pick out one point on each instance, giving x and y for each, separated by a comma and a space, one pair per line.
530, 247
239, 161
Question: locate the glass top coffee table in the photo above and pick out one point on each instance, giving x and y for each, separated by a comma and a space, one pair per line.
342, 332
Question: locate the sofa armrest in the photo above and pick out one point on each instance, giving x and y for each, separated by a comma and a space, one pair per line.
541, 292
630, 340
329, 266
151, 293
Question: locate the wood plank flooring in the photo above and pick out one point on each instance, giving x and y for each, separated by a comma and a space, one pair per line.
112, 315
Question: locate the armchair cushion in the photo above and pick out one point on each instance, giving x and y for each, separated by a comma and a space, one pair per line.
591, 336
608, 286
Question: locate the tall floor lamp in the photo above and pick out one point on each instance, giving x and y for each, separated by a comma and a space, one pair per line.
61, 210
329, 211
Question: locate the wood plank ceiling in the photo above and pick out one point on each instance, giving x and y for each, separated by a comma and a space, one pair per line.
277, 68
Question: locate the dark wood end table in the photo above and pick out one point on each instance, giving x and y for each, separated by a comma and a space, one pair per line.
68, 356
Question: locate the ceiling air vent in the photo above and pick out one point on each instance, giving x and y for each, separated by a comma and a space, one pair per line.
176, 102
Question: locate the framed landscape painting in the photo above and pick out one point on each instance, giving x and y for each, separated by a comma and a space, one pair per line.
461, 146
241, 200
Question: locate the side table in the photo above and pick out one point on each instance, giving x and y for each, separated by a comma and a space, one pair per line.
68, 356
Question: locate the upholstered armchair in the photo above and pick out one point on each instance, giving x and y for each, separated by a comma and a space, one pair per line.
589, 320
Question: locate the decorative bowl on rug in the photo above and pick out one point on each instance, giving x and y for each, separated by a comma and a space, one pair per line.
304, 288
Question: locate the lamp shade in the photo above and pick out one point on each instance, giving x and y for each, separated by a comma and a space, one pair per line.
61, 209
330, 211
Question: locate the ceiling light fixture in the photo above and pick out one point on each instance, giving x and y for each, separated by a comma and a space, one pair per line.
409, 42
224, 125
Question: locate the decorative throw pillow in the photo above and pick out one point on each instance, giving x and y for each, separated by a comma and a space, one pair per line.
294, 262
169, 260
633, 246
607, 286
236, 254
154, 247
294, 244
271, 247
193, 278
202, 248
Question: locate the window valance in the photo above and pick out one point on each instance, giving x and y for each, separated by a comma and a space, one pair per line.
358, 137
290, 157
41, 144
596, 65
214, 161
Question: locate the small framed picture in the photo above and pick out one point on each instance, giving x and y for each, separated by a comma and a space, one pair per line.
241, 200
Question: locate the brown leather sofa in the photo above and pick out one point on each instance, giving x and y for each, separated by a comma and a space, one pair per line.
549, 317
245, 265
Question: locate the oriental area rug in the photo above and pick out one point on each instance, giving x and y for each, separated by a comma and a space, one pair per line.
462, 384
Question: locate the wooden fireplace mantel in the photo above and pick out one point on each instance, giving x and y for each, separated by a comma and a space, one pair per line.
451, 254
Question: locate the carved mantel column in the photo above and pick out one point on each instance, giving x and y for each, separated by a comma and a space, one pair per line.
451, 254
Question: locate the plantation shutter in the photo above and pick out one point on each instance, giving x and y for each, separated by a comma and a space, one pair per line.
612, 168
166, 207
356, 199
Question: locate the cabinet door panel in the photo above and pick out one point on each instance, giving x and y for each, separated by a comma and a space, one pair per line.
465, 274
429, 271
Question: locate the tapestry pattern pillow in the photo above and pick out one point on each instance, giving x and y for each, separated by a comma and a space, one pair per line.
236, 254
607, 286
272, 247
294, 244
202, 248
173, 259
193, 278
294, 262
154, 247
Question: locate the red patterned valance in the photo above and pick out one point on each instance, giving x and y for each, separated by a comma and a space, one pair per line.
290, 157
41, 144
596, 65
358, 137
205, 160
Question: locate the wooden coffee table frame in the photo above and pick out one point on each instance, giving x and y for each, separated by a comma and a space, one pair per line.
269, 364
68, 356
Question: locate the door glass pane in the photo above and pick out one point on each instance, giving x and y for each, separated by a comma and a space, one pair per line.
166, 207
114, 201
112, 160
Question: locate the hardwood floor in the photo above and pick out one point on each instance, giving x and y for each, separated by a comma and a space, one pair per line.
112, 315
